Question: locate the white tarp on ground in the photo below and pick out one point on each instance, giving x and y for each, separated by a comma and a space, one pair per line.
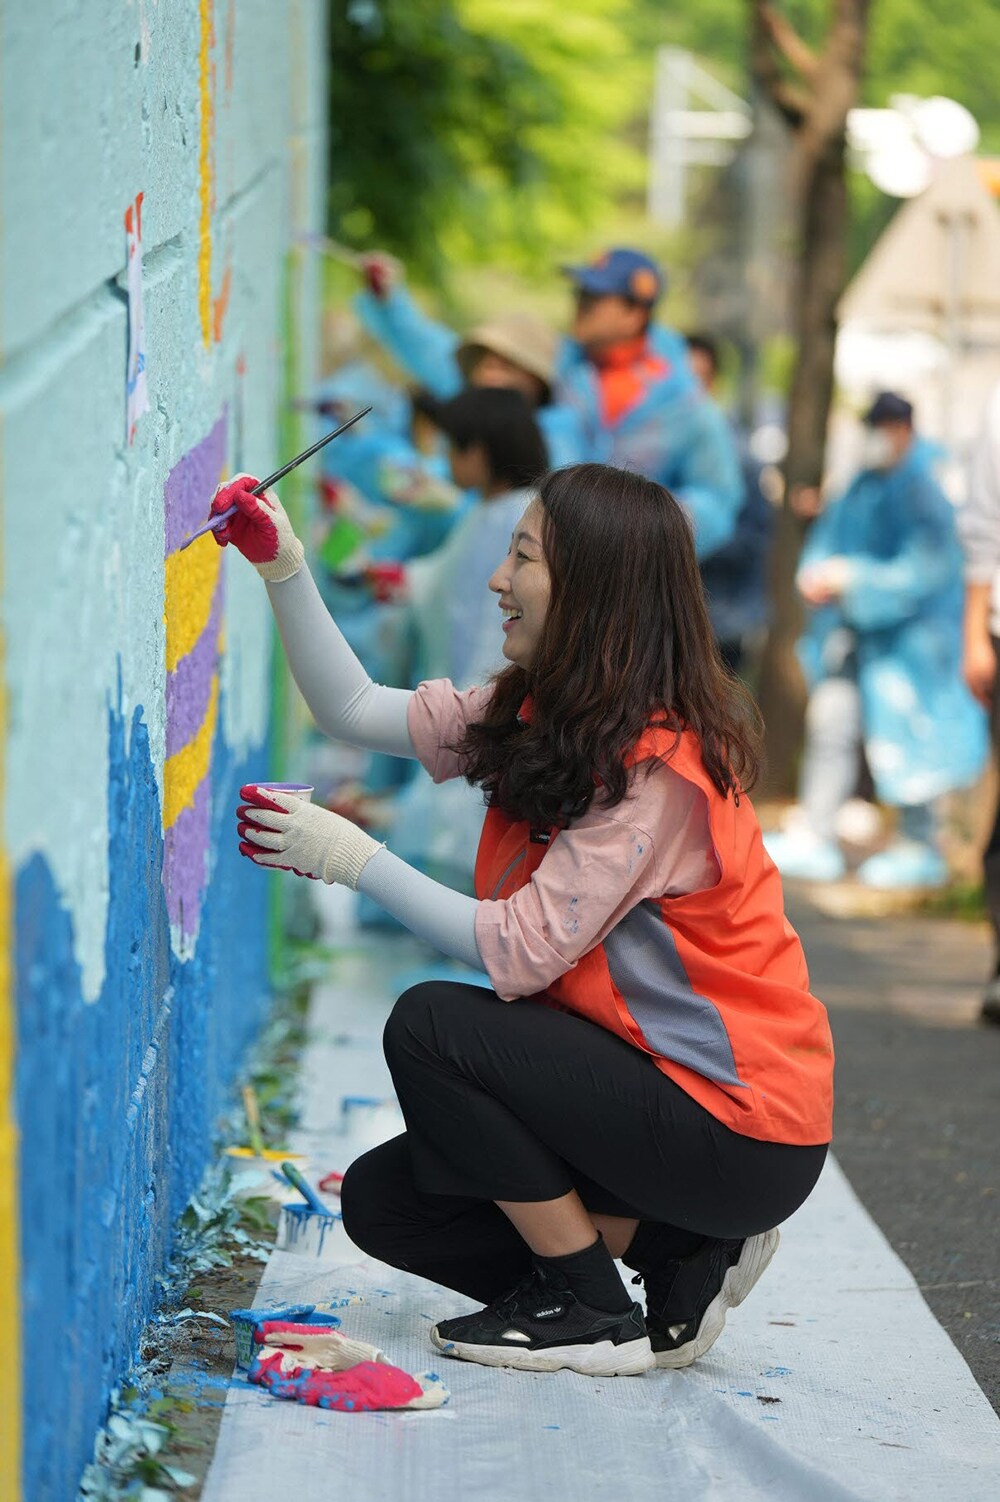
833, 1383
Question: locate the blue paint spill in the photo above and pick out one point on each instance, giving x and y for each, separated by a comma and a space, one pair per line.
778, 1371
117, 1099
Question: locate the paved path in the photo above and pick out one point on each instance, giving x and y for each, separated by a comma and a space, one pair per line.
918, 1104
833, 1382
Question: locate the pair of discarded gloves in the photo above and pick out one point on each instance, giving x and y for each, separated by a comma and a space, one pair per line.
317, 1365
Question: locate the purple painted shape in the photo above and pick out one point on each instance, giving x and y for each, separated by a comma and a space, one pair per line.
185, 860
190, 684
190, 485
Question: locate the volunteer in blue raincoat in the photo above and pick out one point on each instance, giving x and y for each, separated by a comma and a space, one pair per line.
882, 651
512, 351
641, 407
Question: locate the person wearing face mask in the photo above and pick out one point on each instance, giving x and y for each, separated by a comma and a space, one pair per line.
881, 573
649, 1076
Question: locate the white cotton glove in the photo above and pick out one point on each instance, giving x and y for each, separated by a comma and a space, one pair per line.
317, 1346
279, 830
260, 529
820, 583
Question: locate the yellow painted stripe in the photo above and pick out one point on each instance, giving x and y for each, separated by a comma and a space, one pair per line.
205, 185
188, 587
184, 772
10, 1259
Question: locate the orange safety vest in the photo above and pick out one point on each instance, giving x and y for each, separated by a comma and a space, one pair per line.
713, 985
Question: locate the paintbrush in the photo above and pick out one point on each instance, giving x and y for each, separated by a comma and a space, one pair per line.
332, 248
253, 1121
306, 1190
215, 522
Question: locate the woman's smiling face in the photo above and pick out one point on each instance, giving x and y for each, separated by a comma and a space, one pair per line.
524, 585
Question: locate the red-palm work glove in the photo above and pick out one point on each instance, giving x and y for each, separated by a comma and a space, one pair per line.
387, 582
260, 529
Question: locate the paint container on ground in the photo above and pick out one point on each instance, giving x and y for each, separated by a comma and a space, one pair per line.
309, 1234
368, 1120
254, 1173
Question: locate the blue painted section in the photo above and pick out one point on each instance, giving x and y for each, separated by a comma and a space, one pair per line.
117, 1099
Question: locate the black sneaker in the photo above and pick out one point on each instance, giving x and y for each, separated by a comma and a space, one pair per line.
541, 1326
687, 1298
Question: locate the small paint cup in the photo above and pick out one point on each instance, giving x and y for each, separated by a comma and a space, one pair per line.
297, 789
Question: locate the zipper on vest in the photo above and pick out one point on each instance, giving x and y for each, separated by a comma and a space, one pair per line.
509, 872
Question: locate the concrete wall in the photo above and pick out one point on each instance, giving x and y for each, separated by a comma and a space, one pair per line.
137, 677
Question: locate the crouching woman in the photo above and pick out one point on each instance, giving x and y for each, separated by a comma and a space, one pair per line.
650, 1078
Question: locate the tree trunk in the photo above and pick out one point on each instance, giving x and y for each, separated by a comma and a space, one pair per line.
814, 93
821, 280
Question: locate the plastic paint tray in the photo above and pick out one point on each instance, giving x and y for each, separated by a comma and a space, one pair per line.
245, 1322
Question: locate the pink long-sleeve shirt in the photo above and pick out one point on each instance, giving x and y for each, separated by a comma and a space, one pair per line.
655, 843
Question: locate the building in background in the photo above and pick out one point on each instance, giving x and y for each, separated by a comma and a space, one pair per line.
159, 164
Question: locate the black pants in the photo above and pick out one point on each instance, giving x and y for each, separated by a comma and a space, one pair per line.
519, 1102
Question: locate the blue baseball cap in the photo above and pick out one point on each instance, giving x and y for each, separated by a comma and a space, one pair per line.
888, 406
620, 273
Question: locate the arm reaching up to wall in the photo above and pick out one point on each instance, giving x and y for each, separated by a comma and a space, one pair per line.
346, 704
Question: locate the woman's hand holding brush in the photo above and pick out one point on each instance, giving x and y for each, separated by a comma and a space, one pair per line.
260, 529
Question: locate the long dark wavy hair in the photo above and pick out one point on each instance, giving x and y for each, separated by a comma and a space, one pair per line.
626, 643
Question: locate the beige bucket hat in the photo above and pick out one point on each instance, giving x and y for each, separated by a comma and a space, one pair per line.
520, 338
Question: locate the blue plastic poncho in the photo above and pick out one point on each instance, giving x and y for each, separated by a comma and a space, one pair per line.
901, 615
674, 435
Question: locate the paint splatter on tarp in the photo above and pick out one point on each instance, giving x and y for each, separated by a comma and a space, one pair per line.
136, 389
193, 588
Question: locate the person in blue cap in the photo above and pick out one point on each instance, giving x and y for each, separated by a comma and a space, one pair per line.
881, 572
641, 406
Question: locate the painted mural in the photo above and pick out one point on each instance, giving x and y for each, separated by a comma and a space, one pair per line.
116, 1098
136, 358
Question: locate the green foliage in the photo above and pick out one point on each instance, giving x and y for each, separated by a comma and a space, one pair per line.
919, 47
477, 129
513, 133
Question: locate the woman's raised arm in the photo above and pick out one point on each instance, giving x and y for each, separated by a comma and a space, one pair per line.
345, 703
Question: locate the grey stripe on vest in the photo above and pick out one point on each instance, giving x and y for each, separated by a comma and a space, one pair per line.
675, 1021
